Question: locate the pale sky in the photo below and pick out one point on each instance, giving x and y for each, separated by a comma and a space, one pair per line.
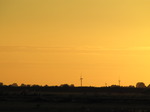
53, 41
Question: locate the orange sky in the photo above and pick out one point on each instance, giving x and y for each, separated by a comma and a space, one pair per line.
53, 41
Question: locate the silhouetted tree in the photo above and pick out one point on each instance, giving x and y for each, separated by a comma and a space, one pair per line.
28, 85
148, 86
140, 85
23, 85
72, 85
35, 85
1, 84
46, 86
131, 86
64, 85
67, 85
114, 86
14, 85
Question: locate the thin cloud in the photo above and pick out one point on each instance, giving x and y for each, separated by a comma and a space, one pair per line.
54, 49
140, 48
67, 49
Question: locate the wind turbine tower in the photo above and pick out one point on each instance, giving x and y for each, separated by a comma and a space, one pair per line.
81, 80
119, 81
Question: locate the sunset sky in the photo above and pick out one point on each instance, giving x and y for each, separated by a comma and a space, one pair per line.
54, 41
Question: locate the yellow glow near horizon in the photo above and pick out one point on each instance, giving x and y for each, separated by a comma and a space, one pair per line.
53, 41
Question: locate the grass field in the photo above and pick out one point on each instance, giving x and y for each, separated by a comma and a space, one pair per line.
70, 107
64, 101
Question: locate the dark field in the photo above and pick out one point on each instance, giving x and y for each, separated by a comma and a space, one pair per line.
58, 99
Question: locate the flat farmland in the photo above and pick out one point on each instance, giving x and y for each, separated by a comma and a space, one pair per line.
74, 100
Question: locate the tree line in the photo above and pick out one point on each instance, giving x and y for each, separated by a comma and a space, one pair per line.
138, 85
34, 85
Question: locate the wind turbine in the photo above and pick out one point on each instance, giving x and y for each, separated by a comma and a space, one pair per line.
119, 81
81, 79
